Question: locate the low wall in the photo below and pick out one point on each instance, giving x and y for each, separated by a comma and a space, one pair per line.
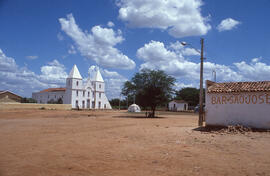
4, 106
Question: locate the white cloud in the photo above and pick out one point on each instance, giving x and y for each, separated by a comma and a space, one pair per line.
180, 17
113, 81
184, 50
177, 46
32, 57
98, 45
156, 56
228, 24
23, 81
53, 73
110, 24
60, 36
7, 64
190, 52
253, 71
180, 85
256, 59
72, 50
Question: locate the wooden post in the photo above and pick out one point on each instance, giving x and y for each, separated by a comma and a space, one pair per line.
200, 122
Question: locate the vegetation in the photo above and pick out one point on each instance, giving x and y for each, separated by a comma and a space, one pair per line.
124, 103
28, 100
190, 95
59, 101
150, 88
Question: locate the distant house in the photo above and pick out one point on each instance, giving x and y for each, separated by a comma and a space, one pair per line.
178, 105
238, 103
9, 97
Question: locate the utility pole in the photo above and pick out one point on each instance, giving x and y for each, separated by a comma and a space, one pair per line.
200, 123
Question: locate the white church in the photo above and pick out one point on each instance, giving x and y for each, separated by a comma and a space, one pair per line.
89, 95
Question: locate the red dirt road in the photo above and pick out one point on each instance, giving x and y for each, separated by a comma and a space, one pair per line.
113, 143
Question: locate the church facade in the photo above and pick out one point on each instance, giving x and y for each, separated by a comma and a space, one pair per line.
88, 95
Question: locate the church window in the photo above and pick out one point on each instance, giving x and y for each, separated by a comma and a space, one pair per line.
88, 94
83, 93
99, 95
77, 93
99, 105
77, 104
104, 106
100, 86
93, 94
77, 83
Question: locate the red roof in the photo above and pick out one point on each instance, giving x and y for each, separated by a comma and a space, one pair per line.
53, 90
179, 101
228, 87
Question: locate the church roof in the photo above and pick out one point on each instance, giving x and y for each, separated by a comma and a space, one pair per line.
74, 73
98, 76
53, 90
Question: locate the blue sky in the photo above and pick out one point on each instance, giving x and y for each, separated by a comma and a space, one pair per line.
40, 41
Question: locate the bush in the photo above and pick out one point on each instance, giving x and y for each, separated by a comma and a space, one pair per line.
52, 101
28, 100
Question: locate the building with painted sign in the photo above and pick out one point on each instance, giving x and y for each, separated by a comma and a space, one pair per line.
80, 94
238, 103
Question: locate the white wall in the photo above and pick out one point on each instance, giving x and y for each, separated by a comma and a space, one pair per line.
44, 97
249, 109
179, 106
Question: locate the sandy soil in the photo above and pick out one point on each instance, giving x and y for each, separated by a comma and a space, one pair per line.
113, 143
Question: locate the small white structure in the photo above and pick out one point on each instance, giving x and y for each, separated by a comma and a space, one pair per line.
88, 95
238, 103
178, 105
134, 108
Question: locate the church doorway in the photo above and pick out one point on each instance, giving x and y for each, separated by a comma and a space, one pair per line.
83, 104
93, 104
88, 104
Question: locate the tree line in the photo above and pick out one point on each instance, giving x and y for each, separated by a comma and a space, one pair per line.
152, 88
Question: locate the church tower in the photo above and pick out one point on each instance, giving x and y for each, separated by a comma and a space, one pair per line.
74, 88
99, 90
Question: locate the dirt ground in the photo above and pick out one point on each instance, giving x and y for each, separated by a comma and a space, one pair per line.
113, 143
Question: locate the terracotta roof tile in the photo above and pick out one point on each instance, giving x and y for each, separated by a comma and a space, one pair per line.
229, 87
179, 101
53, 90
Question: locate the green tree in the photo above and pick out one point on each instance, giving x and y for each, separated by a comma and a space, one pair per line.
189, 94
115, 103
150, 88
28, 100
58, 101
